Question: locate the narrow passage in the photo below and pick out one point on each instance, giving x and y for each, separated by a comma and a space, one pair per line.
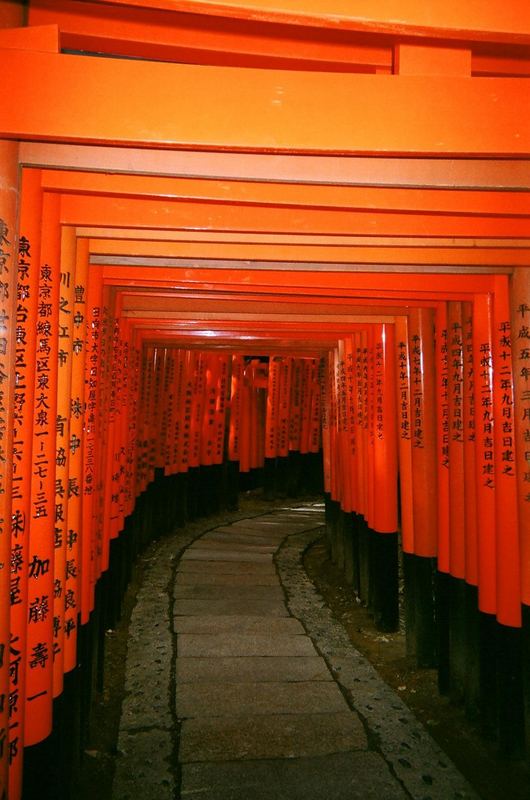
259, 711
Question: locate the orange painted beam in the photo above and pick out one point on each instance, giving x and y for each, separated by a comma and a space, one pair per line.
169, 36
451, 19
44, 38
344, 254
180, 215
284, 111
501, 64
237, 237
359, 284
461, 173
353, 198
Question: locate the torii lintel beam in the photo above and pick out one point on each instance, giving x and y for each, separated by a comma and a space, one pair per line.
497, 21
151, 105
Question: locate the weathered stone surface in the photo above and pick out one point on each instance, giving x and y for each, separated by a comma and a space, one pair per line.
271, 736
213, 593
196, 554
341, 776
243, 644
413, 756
265, 608
240, 537
143, 767
229, 699
216, 544
239, 713
227, 568
239, 624
226, 579
251, 669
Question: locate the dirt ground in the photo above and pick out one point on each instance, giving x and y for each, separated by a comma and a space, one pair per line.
492, 777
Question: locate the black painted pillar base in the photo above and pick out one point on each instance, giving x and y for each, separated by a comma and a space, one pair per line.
349, 546
488, 676
329, 506
384, 580
294, 475
269, 478
339, 539
193, 492
419, 606
526, 675
457, 638
364, 561
511, 722
52, 767
472, 632
232, 485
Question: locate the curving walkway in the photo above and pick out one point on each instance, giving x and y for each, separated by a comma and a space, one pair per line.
254, 690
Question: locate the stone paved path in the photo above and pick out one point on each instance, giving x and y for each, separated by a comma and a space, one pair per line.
270, 700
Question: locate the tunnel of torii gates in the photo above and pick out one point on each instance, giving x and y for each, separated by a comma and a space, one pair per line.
245, 233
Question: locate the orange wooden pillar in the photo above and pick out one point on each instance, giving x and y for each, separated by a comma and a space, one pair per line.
25, 349
507, 522
11, 15
443, 436
425, 497
63, 451
235, 408
455, 391
511, 714
385, 516
326, 434
92, 438
520, 338
470, 437
485, 453
39, 652
421, 631
76, 284
404, 434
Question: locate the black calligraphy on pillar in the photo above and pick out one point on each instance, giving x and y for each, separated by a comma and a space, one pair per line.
521, 339
503, 375
486, 402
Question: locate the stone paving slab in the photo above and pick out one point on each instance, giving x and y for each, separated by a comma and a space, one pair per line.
261, 523
239, 537
251, 669
227, 568
225, 579
258, 608
238, 624
229, 699
193, 645
216, 544
250, 534
273, 736
213, 593
341, 776
196, 554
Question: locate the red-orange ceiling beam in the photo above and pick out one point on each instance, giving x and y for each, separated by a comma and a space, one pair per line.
169, 36
180, 106
494, 21
104, 234
358, 284
461, 173
312, 253
434, 201
180, 215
